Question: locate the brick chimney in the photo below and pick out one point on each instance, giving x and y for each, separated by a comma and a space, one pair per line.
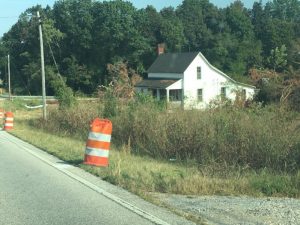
160, 48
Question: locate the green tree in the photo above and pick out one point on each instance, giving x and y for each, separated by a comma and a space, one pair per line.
192, 14
74, 18
278, 59
3, 62
23, 46
116, 35
287, 10
245, 51
172, 31
149, 23
77, 75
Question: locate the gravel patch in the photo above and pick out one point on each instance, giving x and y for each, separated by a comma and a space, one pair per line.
237, 210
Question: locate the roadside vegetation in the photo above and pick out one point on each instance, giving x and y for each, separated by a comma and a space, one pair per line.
223, 151
229, 149
83, 36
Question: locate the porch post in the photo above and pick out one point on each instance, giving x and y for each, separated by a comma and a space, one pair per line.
158, 94
167, 95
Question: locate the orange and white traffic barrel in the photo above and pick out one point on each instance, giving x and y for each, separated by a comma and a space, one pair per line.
98, 143
9, 121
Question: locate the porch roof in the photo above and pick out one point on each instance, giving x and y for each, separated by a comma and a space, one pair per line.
156, 83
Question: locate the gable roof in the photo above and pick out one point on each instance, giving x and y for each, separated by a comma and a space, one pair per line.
172, 62
179, 62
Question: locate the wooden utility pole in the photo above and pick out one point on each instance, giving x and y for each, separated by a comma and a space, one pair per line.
42, 67
8, 69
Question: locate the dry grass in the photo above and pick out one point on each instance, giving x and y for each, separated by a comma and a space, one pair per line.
144, 174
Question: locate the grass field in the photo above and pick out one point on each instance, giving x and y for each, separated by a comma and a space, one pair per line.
142, 174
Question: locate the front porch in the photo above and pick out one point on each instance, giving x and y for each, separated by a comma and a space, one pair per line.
168, 90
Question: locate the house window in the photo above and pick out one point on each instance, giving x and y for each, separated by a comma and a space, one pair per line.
223, 92
200, 95
198, 73
175, 95
244, 94
154, 93
162, 94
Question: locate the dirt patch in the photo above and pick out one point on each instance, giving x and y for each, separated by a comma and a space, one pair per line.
237, 210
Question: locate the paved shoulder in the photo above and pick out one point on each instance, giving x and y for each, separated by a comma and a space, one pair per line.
37, 188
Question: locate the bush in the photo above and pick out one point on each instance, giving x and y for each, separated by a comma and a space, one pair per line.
272, 185
63, 93
256, 137
110, 105
294, 100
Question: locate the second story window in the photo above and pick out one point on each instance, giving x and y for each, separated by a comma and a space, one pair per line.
223, 92
198, 73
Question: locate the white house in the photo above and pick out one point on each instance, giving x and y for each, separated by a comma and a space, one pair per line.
190, 81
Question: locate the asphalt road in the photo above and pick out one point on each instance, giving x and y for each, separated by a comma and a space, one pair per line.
34, 192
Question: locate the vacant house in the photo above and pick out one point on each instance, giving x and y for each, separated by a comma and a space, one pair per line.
190, 81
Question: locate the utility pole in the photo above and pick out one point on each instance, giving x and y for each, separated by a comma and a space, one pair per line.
8, 69
42, 67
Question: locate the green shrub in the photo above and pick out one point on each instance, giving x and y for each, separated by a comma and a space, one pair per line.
63, 93
14, 104
272, 185
256, 137
110, 105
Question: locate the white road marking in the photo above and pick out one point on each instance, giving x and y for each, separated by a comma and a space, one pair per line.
63, 168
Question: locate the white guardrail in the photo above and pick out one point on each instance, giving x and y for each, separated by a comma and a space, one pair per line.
28, 97
31, 97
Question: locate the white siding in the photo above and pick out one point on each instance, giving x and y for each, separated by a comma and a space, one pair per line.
176, 85
250, 92
211, 83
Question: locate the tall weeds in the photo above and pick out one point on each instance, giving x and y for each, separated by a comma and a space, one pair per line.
256, 137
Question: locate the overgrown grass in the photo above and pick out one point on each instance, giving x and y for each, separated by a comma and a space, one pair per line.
256, 137
228, 170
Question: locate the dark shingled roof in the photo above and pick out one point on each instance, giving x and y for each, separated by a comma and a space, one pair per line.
172, 62
155, 83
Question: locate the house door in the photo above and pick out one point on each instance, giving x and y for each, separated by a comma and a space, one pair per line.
163, 94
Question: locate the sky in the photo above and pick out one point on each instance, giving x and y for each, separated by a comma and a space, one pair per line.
11, 9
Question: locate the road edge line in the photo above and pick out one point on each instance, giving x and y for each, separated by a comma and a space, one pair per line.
94, 187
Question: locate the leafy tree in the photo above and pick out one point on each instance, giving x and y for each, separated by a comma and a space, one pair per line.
63, 93
83, 36
278, 59
149, 23
286, 10
245, 51
191, 13
3, 62
294, 54
115, 25
78, 77
75, 19
172, 31
239, 21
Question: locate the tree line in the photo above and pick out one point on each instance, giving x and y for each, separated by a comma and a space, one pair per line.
83, 36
